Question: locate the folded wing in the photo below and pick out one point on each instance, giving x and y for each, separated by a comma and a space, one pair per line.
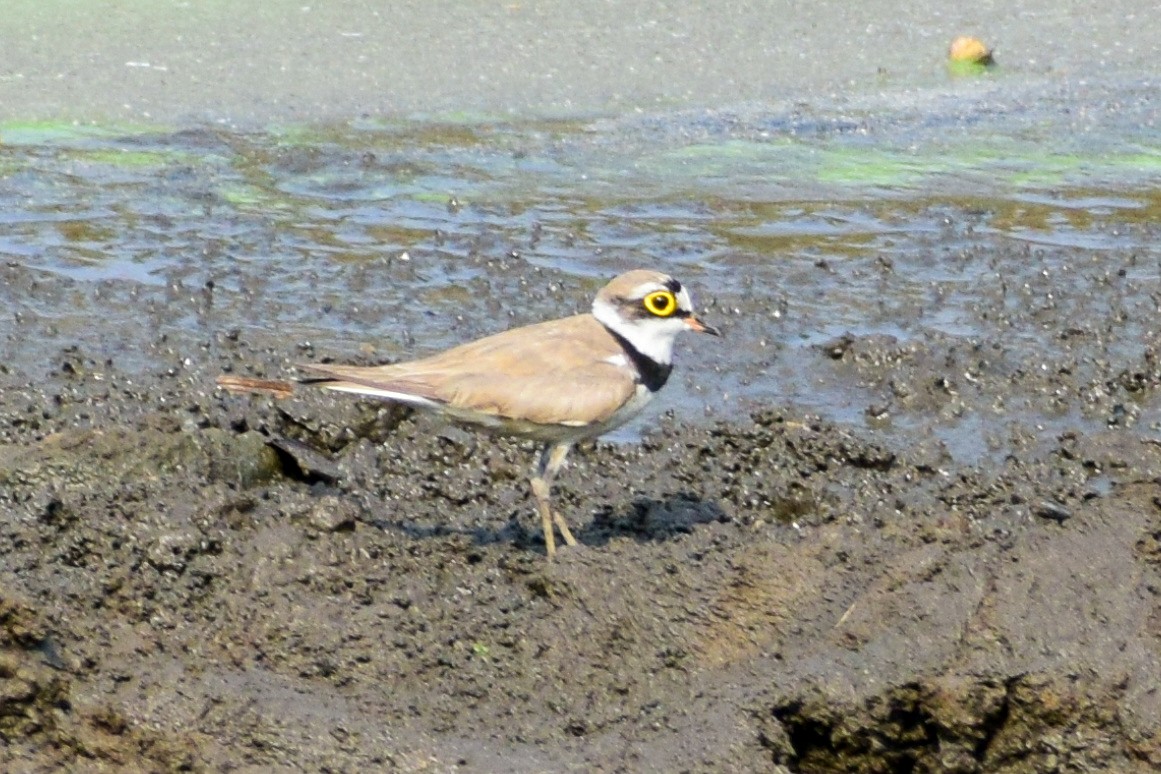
561, 372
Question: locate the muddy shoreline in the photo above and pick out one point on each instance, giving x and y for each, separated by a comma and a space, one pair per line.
186, 589
906, 518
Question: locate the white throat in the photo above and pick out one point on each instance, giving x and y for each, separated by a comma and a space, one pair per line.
653, 337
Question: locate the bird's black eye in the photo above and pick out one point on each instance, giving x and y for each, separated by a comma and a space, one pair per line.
661, 303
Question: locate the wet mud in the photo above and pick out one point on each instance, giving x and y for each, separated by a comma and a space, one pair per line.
198, 581
905, 518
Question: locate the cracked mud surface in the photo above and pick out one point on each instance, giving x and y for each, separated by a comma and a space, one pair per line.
200, 581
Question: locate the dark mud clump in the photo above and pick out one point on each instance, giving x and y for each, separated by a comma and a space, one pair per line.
42, 730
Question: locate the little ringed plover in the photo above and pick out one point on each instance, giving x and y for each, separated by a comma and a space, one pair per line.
558, 382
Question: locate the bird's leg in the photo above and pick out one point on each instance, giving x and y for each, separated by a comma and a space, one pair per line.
541, 490
562, 525
555, 461
550, 461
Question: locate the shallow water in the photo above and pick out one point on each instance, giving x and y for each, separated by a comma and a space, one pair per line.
402, 238
909, 210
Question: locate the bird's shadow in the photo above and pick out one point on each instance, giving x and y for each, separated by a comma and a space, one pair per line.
649, 520
645, 519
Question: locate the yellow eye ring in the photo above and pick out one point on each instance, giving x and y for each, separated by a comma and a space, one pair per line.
661, 303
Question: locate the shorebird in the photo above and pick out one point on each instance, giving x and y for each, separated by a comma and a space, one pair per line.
558, 382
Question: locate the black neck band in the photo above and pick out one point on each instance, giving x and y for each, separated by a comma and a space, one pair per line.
649, 372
